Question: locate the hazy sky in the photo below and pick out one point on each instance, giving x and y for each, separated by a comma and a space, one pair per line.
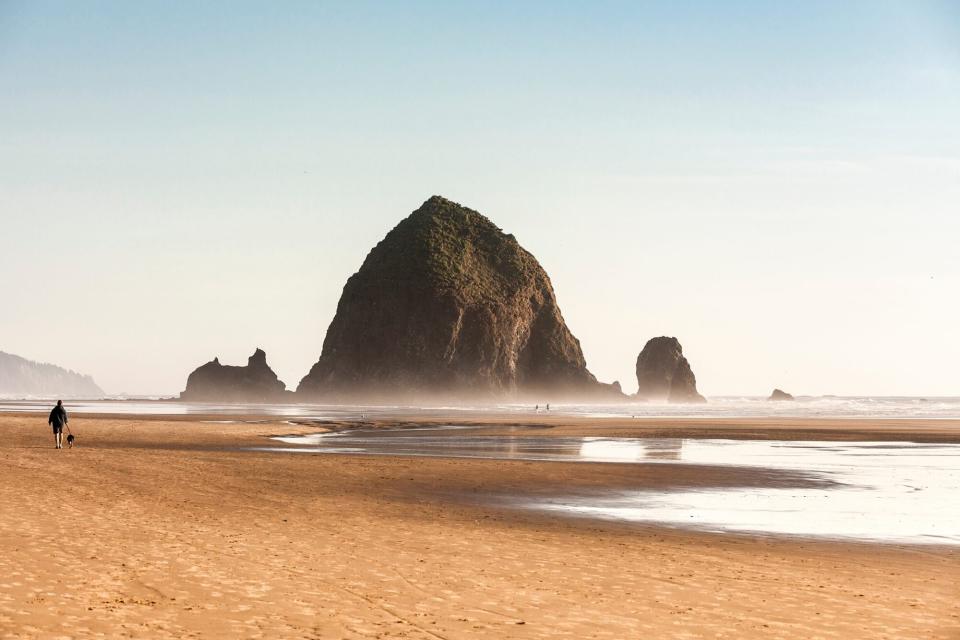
776, 184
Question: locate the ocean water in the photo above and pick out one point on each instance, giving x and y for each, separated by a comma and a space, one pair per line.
802, 407
718, 406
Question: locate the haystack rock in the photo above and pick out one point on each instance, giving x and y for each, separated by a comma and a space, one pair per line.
780, 395
663, 374
449, 306
214, 382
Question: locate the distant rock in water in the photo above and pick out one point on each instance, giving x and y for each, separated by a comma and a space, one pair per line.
214, 382
449, 306
663, 374
20, 377
780, 395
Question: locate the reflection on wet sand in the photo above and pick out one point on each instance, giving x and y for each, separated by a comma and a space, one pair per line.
883, 491
404, 442
630, 450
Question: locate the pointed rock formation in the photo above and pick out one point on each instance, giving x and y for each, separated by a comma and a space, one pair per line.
449, 306
780, 395
663, 374
214, 382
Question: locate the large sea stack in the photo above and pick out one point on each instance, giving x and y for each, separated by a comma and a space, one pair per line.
215, 382
663, 374
449, 306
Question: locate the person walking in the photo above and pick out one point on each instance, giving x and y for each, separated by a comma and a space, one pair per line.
58, 420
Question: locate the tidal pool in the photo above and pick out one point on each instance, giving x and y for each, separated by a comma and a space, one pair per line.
901, 492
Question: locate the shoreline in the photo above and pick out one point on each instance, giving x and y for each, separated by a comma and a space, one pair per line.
943, 430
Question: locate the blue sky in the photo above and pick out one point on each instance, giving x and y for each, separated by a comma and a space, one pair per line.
776, 184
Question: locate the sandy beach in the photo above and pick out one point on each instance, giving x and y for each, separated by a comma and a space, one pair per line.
168, 528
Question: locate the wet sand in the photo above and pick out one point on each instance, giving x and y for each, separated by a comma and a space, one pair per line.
163, 528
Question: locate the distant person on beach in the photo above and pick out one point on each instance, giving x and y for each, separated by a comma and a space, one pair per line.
58, 420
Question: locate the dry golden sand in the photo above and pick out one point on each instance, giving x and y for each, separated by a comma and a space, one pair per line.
159, 528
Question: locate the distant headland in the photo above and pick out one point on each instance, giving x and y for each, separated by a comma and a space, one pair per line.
25, 378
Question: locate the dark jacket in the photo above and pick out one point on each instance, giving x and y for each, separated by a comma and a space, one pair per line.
58, 417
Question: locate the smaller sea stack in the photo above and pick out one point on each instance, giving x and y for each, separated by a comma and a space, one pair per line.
780, 395
214, 382
664, 375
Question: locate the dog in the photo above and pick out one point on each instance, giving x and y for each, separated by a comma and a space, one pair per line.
70, 439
